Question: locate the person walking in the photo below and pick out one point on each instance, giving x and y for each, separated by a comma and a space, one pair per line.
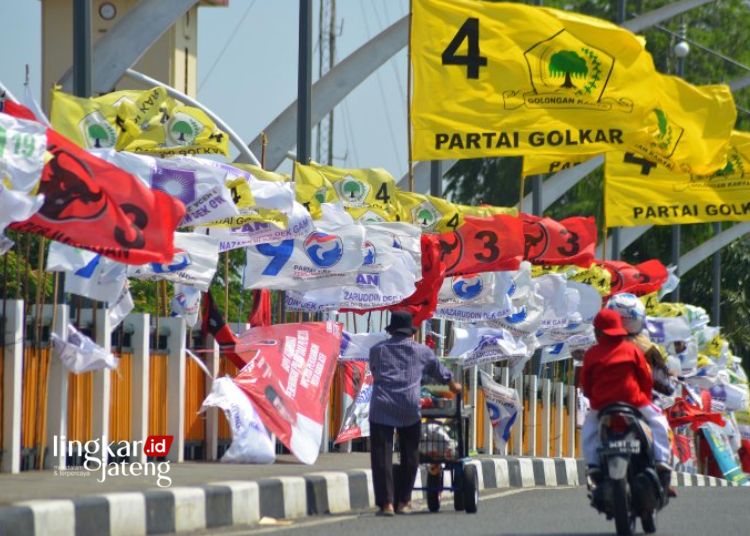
397, 366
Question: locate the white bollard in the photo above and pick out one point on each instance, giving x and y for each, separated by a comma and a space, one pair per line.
505, 380
57, 398
531, 428
102, 385
489, 432
518, 426
474, 430
12, 384
140, 342
572, 420
176, 365
546, 388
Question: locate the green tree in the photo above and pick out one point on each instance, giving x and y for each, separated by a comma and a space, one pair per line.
182, 128
98, 133
568, 63
352, 188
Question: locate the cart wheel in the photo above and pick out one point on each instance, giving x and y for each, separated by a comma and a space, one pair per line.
470, 489
434, 486
458, 486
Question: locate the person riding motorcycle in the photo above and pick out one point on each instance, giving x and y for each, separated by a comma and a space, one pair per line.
615, 370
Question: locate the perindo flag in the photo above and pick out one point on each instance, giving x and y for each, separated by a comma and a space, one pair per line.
503, 407
583, 303
527, 305
371, 193
553, 290
356, 346
543, 164
186, 303
288, 377
118, 309
483, 245
495, 79
474, 345
465, 309
640, 192
690, 127
356, 421
133, 223
569, 241
88, 274
435, 214
665, 330
330, 256
200, 188
194, 263
144, 121
639, 279
246, 232
470, 289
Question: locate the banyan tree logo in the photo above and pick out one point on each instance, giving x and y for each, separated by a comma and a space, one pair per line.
352, 191
730, 177
566, 73
182, 129
97, 131
425, 215
668, 134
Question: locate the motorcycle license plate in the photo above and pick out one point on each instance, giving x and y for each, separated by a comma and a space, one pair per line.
623, 446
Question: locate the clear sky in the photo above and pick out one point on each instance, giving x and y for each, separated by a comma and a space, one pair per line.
255, 77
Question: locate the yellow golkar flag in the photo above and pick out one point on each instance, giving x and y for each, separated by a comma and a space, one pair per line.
507, 79
640, 192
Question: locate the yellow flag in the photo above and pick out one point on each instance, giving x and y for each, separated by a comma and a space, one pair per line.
639, 192
436, 215
542, 164
367, 194
507, 79
313, 188
690, 127
147, 121
596, 276
263, 174
657, 308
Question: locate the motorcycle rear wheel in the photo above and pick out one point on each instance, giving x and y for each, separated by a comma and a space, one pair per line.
624, 522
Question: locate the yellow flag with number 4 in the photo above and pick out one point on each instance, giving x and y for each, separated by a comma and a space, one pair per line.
496, 79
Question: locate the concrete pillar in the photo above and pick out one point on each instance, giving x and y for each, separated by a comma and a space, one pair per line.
57, 398
504, 380
518, 427
473, 380
559, 399
12, 384
531, 428
212, 414
102, 384
572, 421
140, 373
488, 431
546, 388
176, 366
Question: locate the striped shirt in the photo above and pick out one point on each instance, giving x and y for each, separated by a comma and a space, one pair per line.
397, 366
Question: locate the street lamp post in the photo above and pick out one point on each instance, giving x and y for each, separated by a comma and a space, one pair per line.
681, 50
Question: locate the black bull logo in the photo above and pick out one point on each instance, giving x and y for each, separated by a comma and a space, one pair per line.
70, 192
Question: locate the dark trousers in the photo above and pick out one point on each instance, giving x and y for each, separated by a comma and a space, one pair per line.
381, 459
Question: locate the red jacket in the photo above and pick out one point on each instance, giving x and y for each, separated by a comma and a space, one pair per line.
615, 370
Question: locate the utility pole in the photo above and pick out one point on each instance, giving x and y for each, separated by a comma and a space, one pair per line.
304, 82
326, 61
620, 17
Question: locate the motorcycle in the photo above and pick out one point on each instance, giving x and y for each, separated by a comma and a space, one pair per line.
628, 485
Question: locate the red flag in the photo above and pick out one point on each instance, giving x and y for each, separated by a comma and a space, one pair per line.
483, 245
213, 323
94, 205
641, 279
569, 241
288, 377
260, 315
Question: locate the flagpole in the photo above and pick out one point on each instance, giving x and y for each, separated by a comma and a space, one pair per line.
410, 162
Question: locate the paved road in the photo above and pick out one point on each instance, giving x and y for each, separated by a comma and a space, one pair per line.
560, 512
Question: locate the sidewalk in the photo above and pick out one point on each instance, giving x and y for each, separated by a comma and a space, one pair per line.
208, 495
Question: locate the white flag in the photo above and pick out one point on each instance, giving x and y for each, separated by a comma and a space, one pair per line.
552, 287
16, 205
87, 274
668, 329
356, 346
80, 354
476, 345
199, 187
253, 233
120, 308
502, 406
527, 305
186, 303
194, 262
329, 256
463, 288
22, 147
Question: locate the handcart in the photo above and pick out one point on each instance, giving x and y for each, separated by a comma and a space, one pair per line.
443, 449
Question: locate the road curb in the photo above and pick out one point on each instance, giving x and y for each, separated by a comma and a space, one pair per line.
222, 504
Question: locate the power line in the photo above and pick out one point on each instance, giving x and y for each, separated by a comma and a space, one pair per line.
226, 45
704, 48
